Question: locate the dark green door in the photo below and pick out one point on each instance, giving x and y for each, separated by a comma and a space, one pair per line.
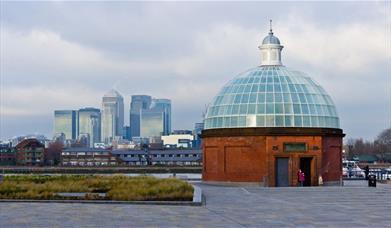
282, 172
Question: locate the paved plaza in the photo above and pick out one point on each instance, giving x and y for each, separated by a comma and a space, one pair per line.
354, 205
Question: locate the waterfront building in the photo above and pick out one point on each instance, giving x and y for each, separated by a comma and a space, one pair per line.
90, 124
65, 121
112, 116
179, 157
30, 152
269, 122
87, 157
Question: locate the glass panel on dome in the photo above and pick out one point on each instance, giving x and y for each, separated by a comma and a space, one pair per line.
261, 98
247, 89
260, 121
251, 120
277, 88
284, 88
321, 121
269, 97
227, 122
304, 109
269, 121
254, 89
253, 98
288, 121
262, 88
251, 108
292, 88
241, 121
244, 98
241, 89
306, 121
238, 97
235, 109
279, 108
269, 88
295, 98
243, 109
288, 108
298, 121
287, 97
296, 109
269, 108
234, 121
312, 109
298, 88
228, 110
261, 108
302, 98
314, 121
277, 97
279, 121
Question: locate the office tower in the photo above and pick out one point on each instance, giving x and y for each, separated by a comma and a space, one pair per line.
138, 103
112, 116
65, 121
152, 123
90, 124
164, 106
198, 127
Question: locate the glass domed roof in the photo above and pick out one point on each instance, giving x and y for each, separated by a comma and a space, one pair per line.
272, 96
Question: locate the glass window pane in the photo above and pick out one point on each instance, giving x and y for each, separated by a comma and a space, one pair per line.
269, 121
288, 121
253, 98
279, 121
277, 97
261, 108
269, 97
251, 108
296, 109
261, 98
304, 109
298, 122
243, 109
269, 108
279, 108
235, 109
288, 109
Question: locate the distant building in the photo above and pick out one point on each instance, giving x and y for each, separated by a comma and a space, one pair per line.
90, 124
112, 116
198, 127
7, 154
137, 104
87, 157
30, 152
159, 157
149, 117
178, 140
65, 121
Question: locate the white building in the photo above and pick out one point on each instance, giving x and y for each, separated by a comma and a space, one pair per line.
178, 140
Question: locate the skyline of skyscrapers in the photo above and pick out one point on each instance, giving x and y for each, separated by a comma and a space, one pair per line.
112, 115
148, 117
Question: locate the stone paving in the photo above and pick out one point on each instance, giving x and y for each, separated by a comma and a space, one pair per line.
353, 205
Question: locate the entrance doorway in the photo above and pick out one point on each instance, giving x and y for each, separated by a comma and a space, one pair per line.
305, 166
282, 172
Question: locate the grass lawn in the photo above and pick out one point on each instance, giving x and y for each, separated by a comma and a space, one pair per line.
115, 187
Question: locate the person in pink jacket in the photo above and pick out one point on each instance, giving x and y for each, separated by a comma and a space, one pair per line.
301, 178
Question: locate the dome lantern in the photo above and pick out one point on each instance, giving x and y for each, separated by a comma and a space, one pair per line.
271, 50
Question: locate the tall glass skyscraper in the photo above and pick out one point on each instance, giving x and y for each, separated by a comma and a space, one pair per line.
90, 124
138, 103
65, 121
149, 117
163, 106
112, 115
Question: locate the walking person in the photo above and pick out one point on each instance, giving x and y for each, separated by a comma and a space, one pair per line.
301, 178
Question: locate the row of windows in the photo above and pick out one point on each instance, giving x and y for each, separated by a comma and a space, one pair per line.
271, 121
273, 97
272, 87
85, 153
272, 108
162, 155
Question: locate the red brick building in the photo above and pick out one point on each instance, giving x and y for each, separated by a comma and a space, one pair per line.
269, 122
30, 152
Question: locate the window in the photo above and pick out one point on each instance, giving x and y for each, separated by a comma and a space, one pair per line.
295, 147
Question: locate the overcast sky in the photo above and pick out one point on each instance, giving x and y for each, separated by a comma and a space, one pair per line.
57, 55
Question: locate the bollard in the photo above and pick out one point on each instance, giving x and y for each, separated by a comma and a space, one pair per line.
372, 180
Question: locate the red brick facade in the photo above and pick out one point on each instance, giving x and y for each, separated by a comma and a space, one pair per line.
249, 155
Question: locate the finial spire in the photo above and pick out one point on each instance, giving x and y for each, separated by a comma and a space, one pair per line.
271, 29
